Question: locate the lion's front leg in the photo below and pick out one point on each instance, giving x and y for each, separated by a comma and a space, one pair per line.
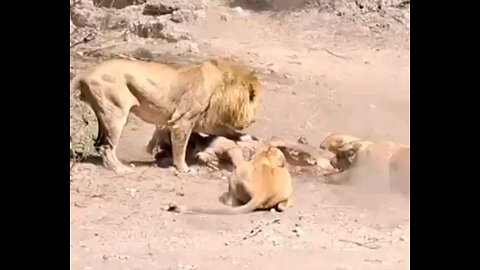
180, 136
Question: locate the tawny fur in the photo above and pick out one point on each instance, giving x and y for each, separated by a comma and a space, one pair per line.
208, 149
215, 97
334, 142
399, 171
344, 147
260, 184
391, 160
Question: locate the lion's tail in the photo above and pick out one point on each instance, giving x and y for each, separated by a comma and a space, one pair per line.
75, 83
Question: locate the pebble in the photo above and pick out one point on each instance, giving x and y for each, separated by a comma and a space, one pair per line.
132, 191
298, 232
224, 17
238, 10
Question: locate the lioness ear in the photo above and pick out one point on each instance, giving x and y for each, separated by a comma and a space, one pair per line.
356, 146
283, 162
351, 152
338, 143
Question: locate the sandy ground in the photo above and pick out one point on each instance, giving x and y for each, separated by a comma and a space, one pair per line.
319, 78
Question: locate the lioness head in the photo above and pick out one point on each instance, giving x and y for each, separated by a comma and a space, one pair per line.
346, 155
335, 142
271, 156
234, 103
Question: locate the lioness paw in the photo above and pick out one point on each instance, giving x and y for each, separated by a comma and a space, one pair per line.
208, 159
123, 169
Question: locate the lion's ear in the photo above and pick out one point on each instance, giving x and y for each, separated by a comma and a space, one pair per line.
228, 78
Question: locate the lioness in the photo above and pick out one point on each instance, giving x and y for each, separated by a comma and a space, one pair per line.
385, 160
399, 171
344, 147
215, 97
208, 149
262, 183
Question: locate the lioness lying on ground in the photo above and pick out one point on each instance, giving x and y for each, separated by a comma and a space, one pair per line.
215, 97
388, 160
262, 183
208, 149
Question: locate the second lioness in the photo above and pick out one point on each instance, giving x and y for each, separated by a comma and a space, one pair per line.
388, 160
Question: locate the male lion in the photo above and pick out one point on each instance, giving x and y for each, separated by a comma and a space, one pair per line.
216, 97
262, 183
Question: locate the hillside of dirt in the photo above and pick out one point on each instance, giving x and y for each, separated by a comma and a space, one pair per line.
327, 66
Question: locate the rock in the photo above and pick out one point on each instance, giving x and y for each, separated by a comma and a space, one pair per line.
123, 257
238, 10
275, 240
84, 14
81, 35
157, 28
151, 29
181, 266
298, 232
143, 54
158, 8
201, 14
225, 17
183, 15
272, 68
187, 46
115, 21
302, 140
117, 3
173, 35
132, 191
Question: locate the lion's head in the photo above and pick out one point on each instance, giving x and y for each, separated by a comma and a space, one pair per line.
235, 101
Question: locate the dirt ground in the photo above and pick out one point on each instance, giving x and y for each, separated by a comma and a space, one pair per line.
321, 74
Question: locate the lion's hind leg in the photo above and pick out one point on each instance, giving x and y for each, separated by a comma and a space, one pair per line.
111, 120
